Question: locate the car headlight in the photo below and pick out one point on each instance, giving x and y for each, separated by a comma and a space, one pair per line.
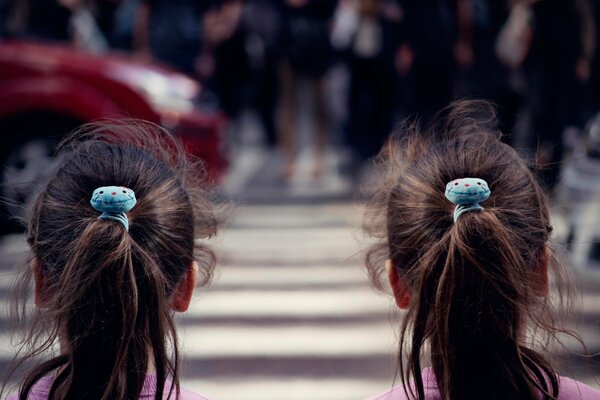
166, 93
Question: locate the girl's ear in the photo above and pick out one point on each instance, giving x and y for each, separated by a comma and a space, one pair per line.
183, 293
539, 278
399, 287
40, 282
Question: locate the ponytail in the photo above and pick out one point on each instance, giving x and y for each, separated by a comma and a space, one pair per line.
474, 286
101, 310
472, 282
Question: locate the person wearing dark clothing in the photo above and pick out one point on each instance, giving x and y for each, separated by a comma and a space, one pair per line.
431, 33
370, 55
231, 71
306, 35
170, 31
46, 19
105, 11
263, 23
555, 66
307, 55
5, 14
486, 77
594, 84
225, 42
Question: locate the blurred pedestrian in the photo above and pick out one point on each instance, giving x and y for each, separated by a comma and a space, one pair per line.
5, 16
306, 56
224, 49
557, 66
368, 36
69, 21
484, 75
263, 23
47, 20
594, 83
105, 12
430, 52
170, 32
117, 19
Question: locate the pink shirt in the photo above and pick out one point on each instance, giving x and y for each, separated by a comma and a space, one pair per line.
568, 390
41, 389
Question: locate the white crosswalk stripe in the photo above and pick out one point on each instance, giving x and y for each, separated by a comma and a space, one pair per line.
306, 303
290, 314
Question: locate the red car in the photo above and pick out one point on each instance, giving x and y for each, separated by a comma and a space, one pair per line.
48, 90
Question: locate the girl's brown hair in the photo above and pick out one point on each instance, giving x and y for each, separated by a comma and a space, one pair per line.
473, 282
108, 290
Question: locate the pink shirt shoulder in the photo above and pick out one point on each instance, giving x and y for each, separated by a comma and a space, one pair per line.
42, 388
397, 392
573, 390
569, 390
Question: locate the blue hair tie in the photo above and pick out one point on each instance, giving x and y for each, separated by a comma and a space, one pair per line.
467, 193
114, 202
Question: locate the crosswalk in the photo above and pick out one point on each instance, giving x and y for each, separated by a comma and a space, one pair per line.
290, 313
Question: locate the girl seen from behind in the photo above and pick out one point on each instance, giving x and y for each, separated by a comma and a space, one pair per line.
115, 252
473, 278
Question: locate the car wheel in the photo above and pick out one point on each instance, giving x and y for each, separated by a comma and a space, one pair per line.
25, 164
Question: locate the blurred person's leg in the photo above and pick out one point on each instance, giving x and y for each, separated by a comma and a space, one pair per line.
356, 116
287, 130
371, 108
544, 140
321, 122
267, 99
547, 120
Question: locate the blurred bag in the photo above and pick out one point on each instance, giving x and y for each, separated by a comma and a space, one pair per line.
514, 39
